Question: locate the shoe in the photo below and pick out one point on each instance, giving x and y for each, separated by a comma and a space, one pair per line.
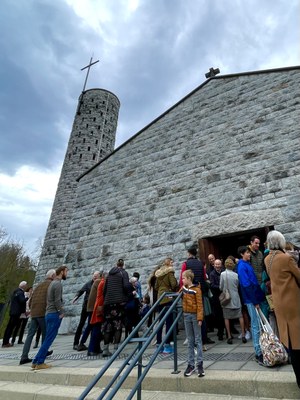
204, 348
209, 341
248, 335
25, 361
161, 350
189, 370
36, 346
244, 340
200, 369
75, 347
81, 347
49, 353
20, 342
240, 336
42, 366
185, 342
229, 341
106, 352
92, 354
168, 349
33, 366
7, 345
259, 359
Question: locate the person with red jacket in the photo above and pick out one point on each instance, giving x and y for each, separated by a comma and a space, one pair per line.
97, 319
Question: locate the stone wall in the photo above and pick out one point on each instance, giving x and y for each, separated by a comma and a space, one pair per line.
224, 159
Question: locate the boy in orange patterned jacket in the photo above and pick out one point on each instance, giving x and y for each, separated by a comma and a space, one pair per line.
193, 317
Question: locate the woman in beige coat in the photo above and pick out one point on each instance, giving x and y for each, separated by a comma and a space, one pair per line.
285, 284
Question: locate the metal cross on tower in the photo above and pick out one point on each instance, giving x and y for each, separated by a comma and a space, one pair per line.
88, 71
86, 78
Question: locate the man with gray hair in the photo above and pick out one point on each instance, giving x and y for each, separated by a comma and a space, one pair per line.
17, 307
37, 305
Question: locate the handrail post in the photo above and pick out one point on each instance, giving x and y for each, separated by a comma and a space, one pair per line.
175, 313
140, 366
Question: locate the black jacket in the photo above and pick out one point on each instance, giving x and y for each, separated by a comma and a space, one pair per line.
116, 287
198, 269
17, 303
86, 288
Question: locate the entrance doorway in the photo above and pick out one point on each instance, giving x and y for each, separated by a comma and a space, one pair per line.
225, 245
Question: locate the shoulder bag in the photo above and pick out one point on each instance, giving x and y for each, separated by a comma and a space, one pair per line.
225, 295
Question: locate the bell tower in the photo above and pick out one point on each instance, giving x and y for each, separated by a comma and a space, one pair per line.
92, 138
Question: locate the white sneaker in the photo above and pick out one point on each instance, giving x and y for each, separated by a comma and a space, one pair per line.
240, 336
185, 342
248, 335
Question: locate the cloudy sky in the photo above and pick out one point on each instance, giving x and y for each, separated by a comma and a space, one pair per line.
152, 53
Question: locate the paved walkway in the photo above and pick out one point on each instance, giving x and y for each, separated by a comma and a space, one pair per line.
219, 356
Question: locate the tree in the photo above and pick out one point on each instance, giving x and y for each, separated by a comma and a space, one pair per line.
15, 266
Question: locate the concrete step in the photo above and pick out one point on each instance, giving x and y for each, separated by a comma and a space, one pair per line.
57, 392
20, 382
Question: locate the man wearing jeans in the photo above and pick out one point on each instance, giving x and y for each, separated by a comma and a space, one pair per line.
252, 296
54, 315
37, 304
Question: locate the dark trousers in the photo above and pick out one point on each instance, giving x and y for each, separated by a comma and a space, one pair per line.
22, 330
13, 323
38, 335
163, 308
295, 361
218, 313
83, 317
94, 345
87, 330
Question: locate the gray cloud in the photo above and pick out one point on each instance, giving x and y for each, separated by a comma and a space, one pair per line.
150, 58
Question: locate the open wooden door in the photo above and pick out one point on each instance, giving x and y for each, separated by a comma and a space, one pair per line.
224, 245
206, 247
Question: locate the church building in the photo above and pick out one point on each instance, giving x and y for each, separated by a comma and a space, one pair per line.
219, 166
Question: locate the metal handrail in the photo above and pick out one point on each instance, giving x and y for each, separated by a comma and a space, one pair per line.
135, 357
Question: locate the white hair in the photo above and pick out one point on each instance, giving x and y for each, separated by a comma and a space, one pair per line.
275, 240
22, 284
50, 273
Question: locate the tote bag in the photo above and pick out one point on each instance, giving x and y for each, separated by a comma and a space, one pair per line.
272, 349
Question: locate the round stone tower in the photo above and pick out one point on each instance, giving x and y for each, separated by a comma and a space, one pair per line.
92, 138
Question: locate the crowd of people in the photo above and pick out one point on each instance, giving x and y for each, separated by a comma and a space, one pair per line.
114, 304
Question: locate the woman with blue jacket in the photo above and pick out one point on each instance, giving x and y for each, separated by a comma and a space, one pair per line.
252, 296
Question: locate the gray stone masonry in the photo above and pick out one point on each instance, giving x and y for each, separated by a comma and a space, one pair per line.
224, 159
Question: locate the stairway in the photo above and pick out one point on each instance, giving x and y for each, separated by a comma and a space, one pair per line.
58, 383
